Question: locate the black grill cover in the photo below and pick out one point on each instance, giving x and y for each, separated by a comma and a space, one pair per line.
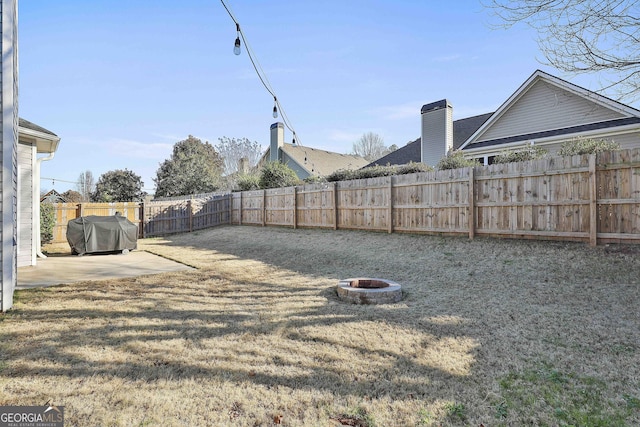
89, 234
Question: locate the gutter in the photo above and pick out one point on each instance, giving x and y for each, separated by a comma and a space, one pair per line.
36, 203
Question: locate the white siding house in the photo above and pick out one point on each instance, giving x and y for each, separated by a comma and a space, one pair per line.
32, 140
8, 150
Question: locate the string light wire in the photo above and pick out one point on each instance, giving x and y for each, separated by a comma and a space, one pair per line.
262, 75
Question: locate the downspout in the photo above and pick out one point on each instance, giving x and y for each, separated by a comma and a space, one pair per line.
36, 198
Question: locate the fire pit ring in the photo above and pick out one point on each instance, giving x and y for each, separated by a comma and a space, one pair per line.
365, 290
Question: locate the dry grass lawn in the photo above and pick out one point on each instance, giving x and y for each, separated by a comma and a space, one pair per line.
490, 332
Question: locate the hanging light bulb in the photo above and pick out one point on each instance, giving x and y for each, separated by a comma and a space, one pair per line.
275, 108
293, 142
236, 46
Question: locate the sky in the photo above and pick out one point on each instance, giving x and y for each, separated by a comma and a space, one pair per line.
121, 81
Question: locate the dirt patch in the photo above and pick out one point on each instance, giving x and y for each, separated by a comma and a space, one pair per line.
493, 332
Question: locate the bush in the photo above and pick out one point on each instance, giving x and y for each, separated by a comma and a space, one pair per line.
314, 179
531, 152
456, 160
342, 175
587, 146
413, 167
248, 182
276, 175
378, 171
47, 222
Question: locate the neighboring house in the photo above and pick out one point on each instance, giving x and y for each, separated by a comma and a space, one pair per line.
545, 111
306, 161
53, 197
8, 151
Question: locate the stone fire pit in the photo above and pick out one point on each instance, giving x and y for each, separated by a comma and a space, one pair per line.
369, 291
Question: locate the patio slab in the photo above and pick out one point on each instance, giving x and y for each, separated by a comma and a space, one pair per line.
62, 269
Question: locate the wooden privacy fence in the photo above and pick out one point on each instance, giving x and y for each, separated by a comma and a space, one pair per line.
65, 212
179, 216
588, 198
152, 218
583, 198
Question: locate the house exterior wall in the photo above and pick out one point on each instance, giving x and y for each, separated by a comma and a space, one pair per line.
8, 150
289, 161
26, 236
546, 107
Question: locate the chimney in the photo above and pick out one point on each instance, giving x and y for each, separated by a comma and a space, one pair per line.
243, 166
437, 131
277, 141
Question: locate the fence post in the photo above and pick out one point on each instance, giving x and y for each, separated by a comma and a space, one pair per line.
295, 207
190, 212
80, 210
230, 210
264, 207
142, 223
335, 205
390, 204
472, 208
240, 209
593, 202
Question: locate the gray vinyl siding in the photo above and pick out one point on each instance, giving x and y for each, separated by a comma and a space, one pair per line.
437, 135
26, 236
546, 106
302, 173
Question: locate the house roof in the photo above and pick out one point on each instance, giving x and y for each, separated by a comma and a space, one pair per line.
45, 140
53, 197
462, 130
321, 162
26, 124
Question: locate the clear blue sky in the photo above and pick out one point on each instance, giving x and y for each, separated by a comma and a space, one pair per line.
122, 81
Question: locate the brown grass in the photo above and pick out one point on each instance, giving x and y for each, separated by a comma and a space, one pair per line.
492, 332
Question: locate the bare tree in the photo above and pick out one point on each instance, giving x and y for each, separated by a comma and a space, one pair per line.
86, 185
370, 146
232, 150
584, 36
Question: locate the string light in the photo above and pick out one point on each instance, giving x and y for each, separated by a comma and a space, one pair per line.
277, 107
236, 45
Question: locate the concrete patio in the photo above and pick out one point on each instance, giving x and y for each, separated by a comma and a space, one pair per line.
61, 269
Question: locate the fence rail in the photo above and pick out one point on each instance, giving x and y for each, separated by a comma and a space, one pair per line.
588, 198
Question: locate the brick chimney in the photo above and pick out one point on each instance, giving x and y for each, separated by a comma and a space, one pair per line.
437, 131
277, 141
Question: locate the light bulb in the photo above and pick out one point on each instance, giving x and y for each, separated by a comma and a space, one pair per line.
275, 112
236, 46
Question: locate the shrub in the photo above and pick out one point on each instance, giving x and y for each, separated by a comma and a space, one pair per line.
341, 175
314, 179
455, 160
248, 182
413, 167
47, 222
531, 152
276, 175
587, 146
377, 171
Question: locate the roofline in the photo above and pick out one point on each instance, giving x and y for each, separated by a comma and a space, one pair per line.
51, 139
541, 141
618, 124
570, 87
